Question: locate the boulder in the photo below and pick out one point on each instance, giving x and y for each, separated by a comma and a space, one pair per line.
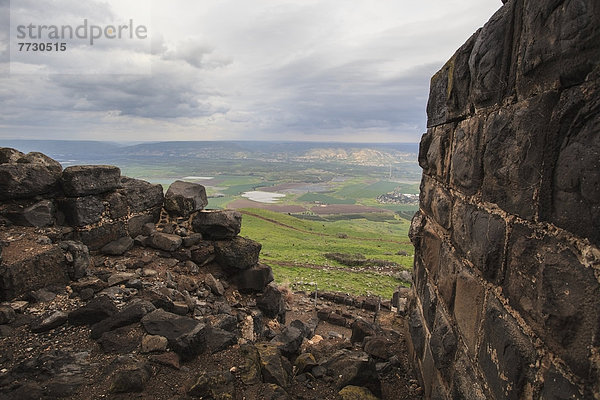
274, 368
131, 378
78, 258
154, 343
120, 341
118, 247
272, 303
238, 253
186, 336
7, 314
213, 385
217, 224
40, 214
24, 181
289, 341
353, 368
216, 287
219, 339
165, 241
42, 266
94, 311
254, 279
81, 211
49, 321
130, 314
142, 196
378, 347
184, 198
362, 329
305, 363
9, 156
84, 180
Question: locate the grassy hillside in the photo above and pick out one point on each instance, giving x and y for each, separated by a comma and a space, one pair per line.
296, 249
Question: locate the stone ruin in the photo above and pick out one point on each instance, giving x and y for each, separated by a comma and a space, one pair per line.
506, 301
95, 208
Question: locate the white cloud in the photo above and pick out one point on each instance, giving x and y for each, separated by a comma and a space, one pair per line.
241, 69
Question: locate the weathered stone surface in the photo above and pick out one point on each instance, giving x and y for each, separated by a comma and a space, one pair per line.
272, 303
219, 339
468, 308
186, 336
305, 363
40, 214
23, 181
480, 237
118, 247
467, 157
289, 341
238, 253
9, 155
213, 385
152, 343
81, 211
130, 314
353, 368
135, 224
217, 224
46, 266
449, 93
94, 311
378, 347
215, 285
274, 368
165, 241
120, 341
84, 180
49, 321
506, 355
254, 279
558, 296
436, 200
131, 379
98, 236
512, 170
7, 315
142, 196
184, 198
434, 154
572, 194
361, 329
78, 258
443, 344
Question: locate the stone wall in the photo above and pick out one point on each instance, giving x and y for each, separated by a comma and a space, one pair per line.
506, 301
95, 200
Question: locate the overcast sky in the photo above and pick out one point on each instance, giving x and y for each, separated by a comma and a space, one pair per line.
318, 70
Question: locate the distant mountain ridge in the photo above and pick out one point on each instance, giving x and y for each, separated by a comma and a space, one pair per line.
376, 154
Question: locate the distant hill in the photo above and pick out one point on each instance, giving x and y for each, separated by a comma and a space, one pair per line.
373, 154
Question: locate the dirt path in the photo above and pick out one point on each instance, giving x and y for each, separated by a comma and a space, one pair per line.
319, 233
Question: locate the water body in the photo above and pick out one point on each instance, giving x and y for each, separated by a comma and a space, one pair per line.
263, 197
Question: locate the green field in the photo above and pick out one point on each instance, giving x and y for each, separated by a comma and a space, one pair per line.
295, 249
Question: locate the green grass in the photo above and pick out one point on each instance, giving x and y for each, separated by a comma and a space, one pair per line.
284, 245
324, 199
337, 281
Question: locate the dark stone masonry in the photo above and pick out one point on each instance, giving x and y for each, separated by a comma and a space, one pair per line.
506, 301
